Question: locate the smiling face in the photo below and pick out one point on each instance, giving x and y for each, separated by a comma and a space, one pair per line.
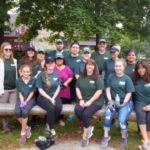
75, 49
90, 68
102, 46
59, 61
30, 53
26, 72
86, 56
141, 70
131, 57
119, 67
50, 66
41, 56
59, 46
7, 51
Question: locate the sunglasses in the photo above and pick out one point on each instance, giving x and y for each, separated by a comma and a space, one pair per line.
41, 53
8, 49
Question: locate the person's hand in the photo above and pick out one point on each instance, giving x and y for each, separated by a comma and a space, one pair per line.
111, 105
65, 84
53, 101
122, 105
82, 103
146, 108
88, 103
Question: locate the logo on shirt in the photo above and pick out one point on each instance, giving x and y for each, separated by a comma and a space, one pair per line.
147, 85
122, 83
78, 60
30, 85
13, 65
91, 81
133, 70
105, 58
55, 79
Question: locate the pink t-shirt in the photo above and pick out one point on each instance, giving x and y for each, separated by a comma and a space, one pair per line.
64, 75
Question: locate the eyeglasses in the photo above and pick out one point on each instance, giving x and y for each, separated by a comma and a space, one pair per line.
8, 49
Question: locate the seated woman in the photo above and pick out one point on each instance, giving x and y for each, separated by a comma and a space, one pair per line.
141, 78
48, 84
119, 88
89, 89
25, 88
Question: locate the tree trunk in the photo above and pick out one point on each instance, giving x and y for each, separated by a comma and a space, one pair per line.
1, 36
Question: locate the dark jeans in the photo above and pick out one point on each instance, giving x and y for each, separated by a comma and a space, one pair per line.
85, 114
23, 113
73, 90
143, 117
53, 111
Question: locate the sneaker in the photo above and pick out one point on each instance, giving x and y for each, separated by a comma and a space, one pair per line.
84, 143
23, 139
28, 132
90, 132
123, 142
104, 142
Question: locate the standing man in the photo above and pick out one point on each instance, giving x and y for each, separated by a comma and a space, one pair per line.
59, 48
101, 55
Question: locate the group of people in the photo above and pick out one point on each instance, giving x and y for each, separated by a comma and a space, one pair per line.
89, 80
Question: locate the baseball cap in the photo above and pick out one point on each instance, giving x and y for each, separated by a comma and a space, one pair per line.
102, 41
86, 50
31, 47
115, 49
49, 59
59, 55
41, 50
59, 41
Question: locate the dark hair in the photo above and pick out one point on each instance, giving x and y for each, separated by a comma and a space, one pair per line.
95, 72
136, 75
75, 42
130, 51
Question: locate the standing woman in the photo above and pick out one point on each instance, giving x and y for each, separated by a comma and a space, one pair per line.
66, 76
131, 61
109, 65
30, 58
141, 78
25, 87
119, 88
48, 84
8, 76
89, 89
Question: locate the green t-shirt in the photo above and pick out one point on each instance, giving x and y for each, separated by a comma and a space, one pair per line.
73, 62
109, 67
100, 59
54, 80
80, 68
120, 85
142, 92
24, 88
88, 87
129, 70
10, 75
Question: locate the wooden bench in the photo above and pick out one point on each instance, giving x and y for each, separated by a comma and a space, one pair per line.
8, 110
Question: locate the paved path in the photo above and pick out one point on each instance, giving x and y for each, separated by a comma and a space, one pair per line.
73, 145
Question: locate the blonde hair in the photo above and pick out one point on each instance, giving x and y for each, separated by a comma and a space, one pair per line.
3, 45
122, 61
48, 83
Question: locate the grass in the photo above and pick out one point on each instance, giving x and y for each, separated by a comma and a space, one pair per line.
10, 141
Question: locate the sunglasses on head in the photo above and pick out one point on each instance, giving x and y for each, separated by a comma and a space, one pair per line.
8, 49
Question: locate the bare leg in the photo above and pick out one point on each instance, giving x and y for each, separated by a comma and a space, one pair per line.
85, 130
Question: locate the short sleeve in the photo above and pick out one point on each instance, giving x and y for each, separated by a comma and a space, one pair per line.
33, 85
129, 85
78, 82
77, 70
99, 84
69, 71
108, 81
39, 81
18, 86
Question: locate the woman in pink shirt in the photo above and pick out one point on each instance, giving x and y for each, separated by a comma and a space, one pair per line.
66, 76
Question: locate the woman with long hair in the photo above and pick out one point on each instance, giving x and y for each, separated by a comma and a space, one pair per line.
141, 78
8, 70
89, 89
48, 84
119, 88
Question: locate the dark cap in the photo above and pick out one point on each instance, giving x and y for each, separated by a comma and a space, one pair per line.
49, 59
115, 48
59, 41
102, 41
59, 55
31, 47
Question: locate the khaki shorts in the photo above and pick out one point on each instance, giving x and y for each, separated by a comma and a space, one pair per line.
9, 96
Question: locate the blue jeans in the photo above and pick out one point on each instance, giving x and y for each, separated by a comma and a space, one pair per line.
123, 114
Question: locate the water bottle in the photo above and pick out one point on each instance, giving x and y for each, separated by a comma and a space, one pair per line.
117, 100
